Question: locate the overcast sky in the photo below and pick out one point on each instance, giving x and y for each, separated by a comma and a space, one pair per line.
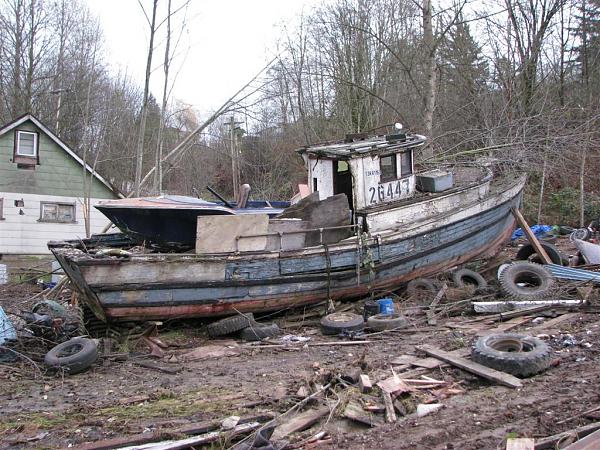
224, 44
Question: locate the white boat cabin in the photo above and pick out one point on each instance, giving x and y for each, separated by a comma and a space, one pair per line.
371, 171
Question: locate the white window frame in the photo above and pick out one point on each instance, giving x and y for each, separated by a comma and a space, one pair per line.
35, 144
57, 204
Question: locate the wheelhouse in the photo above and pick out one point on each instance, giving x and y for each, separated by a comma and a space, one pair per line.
373, 172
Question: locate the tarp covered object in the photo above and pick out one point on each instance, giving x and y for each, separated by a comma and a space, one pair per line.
7, 330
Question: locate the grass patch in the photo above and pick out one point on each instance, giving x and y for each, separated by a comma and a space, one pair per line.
164, 404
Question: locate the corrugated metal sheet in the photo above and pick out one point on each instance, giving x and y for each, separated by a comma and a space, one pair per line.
570, 273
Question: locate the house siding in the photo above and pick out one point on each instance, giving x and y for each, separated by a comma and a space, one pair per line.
24, 234
57, 174
58, 178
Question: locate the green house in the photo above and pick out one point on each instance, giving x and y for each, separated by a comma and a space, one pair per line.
42, 195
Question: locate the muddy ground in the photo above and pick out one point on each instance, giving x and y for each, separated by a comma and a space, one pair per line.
118, 398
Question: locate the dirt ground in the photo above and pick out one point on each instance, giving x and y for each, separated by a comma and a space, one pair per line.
117, 397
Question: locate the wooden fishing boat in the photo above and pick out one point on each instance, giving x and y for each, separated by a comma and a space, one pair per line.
400, 225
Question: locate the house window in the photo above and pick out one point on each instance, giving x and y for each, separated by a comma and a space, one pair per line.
57, 212
406, 163
387, 164
27, 144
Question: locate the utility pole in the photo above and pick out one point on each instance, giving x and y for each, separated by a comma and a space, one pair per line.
234, 133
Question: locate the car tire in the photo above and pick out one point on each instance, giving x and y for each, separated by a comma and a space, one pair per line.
380, 322
73, 356
527, 252
257, 331
229, 325
421, 286
338, 322
464, 277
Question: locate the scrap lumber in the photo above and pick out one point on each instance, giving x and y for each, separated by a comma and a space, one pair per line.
300, 422
390, 414
531, 236
502, 378
394, 385
519, 444
354, 411
431, 320
433, 363
365, 383
506, 306
590, 442
198, 440
549, 324
571, 435
189, 429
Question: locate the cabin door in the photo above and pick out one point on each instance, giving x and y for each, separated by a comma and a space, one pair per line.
342, 181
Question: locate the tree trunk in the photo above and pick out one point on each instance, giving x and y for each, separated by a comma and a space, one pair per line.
139, 153
430, 74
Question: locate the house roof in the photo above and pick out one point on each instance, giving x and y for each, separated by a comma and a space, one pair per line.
30, 117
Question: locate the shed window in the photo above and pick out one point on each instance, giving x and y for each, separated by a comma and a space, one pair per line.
406, 163
387, 165
1, 208
27, 144
57, 212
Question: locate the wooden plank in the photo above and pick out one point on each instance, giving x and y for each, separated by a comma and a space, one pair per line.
433, 363
431, 320
365, 383
390, 414
404, 359
300, 422
572, 435
590, 442
505, 326
519, 444
473, 367
354, 411
556, 321
531, 236
222, 233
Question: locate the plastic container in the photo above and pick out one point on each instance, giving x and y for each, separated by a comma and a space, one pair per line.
386, 306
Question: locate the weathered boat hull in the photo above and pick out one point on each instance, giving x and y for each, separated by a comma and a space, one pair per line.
162, 286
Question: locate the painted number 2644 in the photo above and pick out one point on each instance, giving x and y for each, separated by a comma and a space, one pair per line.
388, 191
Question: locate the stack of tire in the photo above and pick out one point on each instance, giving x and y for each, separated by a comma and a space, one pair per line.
244, 324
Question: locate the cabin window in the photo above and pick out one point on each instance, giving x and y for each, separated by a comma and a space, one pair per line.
57, 212
387, 164
27, 144
342, 166
406, 163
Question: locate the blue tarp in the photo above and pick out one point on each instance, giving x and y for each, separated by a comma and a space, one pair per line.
7, 330
538, 230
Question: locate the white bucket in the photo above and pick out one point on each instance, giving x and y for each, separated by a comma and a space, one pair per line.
3, 274
57, 272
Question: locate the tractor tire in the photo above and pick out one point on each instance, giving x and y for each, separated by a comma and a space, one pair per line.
517, 354
526, 281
